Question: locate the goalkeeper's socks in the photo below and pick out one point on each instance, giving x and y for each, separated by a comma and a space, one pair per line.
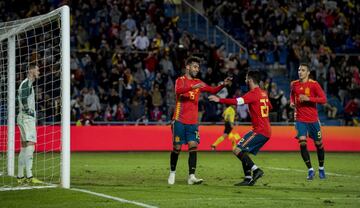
29, 153
21, 163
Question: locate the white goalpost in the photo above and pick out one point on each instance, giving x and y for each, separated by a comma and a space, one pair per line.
45, 41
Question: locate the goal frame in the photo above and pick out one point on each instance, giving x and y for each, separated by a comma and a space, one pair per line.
65, 89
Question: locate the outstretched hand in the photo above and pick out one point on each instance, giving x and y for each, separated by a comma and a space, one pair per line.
214, 98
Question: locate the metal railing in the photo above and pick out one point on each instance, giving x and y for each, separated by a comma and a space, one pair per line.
193, 21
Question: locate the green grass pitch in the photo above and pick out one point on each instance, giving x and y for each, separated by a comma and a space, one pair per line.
142, 177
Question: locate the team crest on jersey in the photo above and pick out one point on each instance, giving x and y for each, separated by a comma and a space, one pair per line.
307, 91
177, 139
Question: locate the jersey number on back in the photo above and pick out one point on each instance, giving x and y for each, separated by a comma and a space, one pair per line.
264, 108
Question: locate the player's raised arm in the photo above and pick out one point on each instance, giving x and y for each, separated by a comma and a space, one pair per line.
214, 90
228, 101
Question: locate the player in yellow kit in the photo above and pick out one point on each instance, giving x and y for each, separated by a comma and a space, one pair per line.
229, 118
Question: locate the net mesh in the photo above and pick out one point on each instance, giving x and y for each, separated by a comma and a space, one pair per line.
37, 40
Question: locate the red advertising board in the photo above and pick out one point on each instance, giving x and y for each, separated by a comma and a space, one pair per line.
159, 138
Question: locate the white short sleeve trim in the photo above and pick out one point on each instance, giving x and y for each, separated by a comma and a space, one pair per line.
240, 101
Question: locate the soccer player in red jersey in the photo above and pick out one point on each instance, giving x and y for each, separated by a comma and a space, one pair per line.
259, 107
185, 119
305, 95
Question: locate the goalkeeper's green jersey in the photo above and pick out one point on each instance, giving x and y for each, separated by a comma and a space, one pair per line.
26, 98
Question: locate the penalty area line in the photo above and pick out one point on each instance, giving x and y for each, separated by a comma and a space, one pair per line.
114, 198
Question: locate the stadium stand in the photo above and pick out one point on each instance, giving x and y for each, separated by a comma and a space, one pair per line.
127, 54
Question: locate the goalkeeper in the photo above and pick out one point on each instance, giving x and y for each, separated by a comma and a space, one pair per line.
27, 125
229, 118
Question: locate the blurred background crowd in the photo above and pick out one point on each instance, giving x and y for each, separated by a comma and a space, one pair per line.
126, 55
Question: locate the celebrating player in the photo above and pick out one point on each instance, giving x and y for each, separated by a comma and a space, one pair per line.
27, 125
184, 127
305, 94
259, 107
229, 118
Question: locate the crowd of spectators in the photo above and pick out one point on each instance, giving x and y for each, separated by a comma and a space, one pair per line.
127, 54
270, 28
126, 57
286, 33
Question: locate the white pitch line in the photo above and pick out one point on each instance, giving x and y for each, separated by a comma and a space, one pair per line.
27, 188
114, 198
304, 171
260, 198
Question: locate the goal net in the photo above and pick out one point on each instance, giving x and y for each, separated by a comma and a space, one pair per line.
45, 41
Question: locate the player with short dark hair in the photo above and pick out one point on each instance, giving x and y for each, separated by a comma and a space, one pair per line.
305, 95
259, 107
185, 119
27, 125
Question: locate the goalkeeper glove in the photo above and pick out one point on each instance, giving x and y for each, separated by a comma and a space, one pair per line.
29, 112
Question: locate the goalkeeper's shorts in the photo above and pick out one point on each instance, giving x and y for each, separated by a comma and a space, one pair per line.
27, 126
